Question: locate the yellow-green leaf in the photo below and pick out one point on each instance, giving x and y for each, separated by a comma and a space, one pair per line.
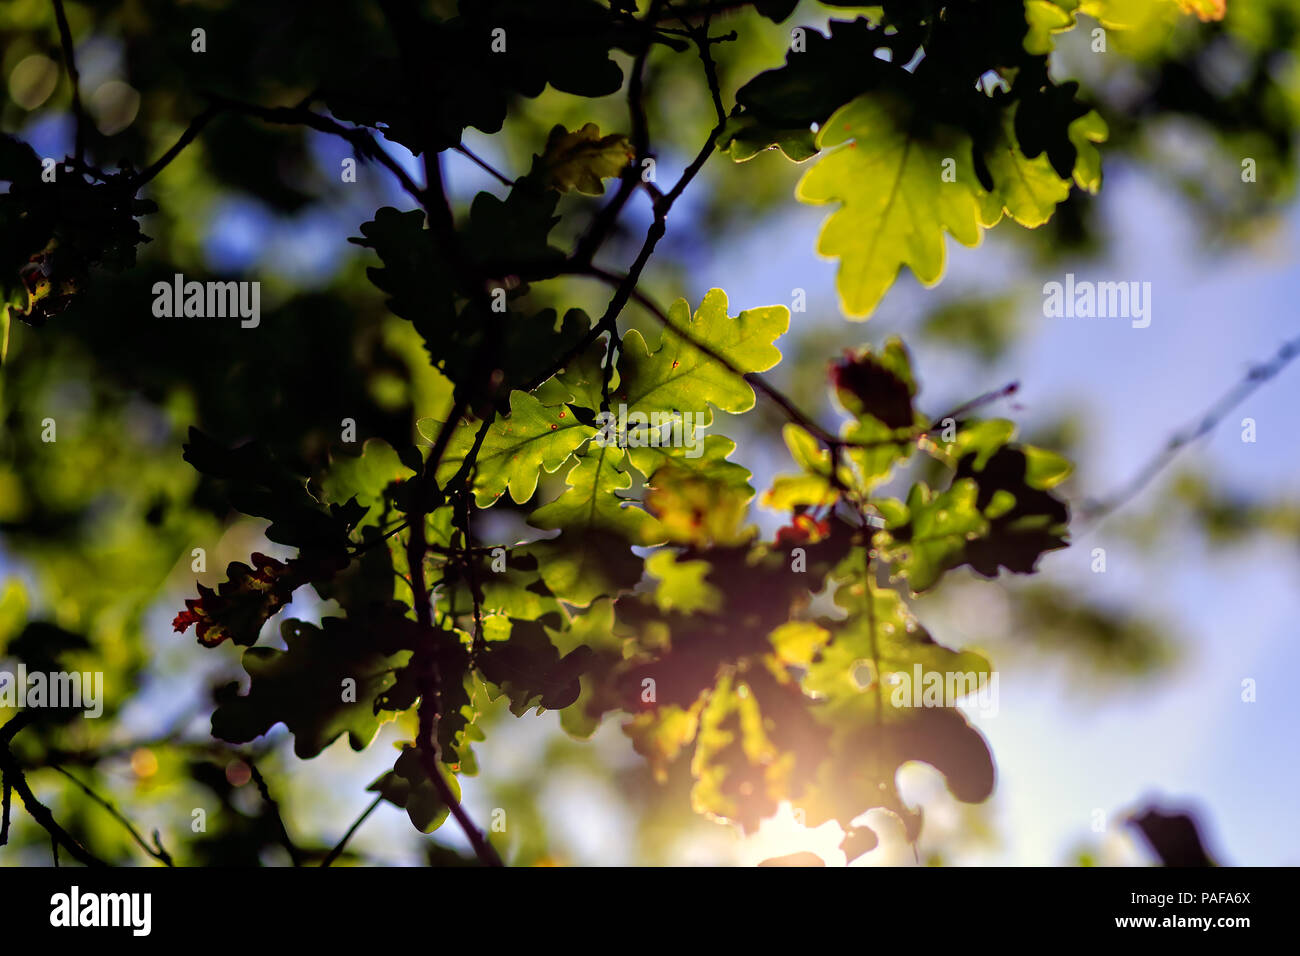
895, 204
581, 159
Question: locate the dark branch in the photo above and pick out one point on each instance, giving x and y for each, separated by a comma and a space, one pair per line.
187, 137
70, 61
484, 164
157, 851
282, 832
335, 853
14, 777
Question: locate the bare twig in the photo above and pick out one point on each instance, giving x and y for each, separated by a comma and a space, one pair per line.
361, 139
484, 164
159, 854
187, 137
70, 61
339, 847
604, 221
1095, 511
282, 832
703, 43
6, 795
14, 777
430, 710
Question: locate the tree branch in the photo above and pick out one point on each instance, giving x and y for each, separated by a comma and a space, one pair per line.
14, 778
484, 164
160, 854
430, 711
282, 832
70, 61
362, 140
1093, 512
603, 224
6, 795
191, 132
801, 418
335, 853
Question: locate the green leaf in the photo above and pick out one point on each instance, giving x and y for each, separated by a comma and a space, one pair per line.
457, 75
528, 669
518, 591
781, 107
515, 449
743, 137
592, 557
799, 643
678, 377
1027, 190
595, 631
1086, 132
581, 159
710, 462
682, 586
418, 283
775, 10
696, 508
504, 239
304, 687
583, 379
1046, 18
660, 735
365, 477
512, 232
1029, 520
895, 208
885, 167
812, 488
259, 485
934, 538
863, 679
758, 744
1045, 469
845, 672
409, 787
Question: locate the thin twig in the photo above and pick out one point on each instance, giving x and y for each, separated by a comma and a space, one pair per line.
159, 854
335, 853
484, 164
187, 137
779, 398
361, 139
40, 813
282, 831
70, 61
604, 222
430, 705
6, 796
700, 35
367, 545
1095, 511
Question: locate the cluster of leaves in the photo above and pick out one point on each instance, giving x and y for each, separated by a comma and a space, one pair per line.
653, 597
931, 119
771, 663
711, 640
55, 225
